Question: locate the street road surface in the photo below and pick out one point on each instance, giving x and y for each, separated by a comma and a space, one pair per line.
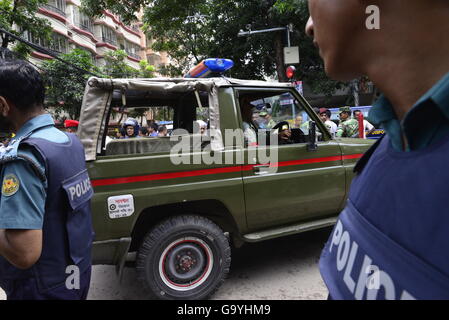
279, 269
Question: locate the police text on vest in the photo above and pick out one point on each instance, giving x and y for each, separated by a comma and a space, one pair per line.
371, 279
80, 189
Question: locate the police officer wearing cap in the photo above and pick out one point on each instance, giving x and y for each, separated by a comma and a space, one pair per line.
71, 125
325, 116
45, 217
348, 127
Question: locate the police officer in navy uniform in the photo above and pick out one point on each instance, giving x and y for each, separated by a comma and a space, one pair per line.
45, 217
391, 240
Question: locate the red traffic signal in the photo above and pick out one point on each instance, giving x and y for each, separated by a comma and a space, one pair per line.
291, 71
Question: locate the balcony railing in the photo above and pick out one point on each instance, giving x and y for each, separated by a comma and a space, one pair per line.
60, 11
134, 55
109, 40
86, 27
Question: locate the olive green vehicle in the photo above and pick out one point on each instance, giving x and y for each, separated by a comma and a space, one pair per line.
173, 206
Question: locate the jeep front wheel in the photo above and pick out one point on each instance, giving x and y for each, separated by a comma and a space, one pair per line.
185, 257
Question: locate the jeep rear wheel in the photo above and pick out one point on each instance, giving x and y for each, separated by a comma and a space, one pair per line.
185, 257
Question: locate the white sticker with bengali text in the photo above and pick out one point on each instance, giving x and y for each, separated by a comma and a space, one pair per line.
121, 206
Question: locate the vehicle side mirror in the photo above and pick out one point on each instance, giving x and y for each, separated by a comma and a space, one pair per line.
311, 145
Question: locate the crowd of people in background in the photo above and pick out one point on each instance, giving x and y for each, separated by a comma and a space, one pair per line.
346, 127
132, 129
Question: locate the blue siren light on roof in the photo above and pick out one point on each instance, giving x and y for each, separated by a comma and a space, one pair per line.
208, 67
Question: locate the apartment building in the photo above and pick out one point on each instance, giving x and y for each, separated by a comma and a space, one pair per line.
74, 29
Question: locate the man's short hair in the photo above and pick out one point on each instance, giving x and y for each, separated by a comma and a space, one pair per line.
326, 111
162, 129
355, 111
21, 84
144, 131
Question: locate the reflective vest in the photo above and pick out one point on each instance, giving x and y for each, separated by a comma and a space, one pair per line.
67, 229
392, 239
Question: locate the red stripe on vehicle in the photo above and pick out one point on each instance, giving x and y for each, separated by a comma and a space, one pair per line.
308, 161
196, 173
352, 156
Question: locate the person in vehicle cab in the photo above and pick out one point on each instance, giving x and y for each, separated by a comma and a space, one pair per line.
152, 129
348, 127
162, 131
298, 121
249, 127
267, 121
130, 129
284, 133
202, 126
143, 132
325, 116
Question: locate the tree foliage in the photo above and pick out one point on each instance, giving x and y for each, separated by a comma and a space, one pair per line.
116, 66
191, 30
198, 29
65, 84
19, 16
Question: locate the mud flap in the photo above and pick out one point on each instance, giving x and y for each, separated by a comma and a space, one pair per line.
121, 255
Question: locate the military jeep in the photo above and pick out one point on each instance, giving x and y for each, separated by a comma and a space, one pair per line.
173, 206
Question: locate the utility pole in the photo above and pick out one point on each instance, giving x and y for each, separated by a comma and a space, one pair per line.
355, 91
288, 28
284, 55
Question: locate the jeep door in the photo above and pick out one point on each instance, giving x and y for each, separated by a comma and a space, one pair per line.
287, 183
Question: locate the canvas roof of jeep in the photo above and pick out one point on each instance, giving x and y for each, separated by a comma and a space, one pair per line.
99, 93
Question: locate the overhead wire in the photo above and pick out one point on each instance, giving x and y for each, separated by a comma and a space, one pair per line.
47, 52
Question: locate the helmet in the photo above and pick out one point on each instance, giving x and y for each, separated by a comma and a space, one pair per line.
130, 122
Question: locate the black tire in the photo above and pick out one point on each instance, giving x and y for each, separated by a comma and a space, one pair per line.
184, 257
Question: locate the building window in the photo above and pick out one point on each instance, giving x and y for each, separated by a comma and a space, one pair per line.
133, 50
57, 6
35, 39
59, 43
82, 20
108, 35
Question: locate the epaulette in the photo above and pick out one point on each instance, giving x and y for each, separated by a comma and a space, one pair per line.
12, 153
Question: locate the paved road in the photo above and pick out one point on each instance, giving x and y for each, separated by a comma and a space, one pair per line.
283, 268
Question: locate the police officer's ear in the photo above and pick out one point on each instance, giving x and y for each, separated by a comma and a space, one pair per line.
4, 107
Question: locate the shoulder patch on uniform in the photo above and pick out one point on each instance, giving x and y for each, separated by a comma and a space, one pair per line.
10, 185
